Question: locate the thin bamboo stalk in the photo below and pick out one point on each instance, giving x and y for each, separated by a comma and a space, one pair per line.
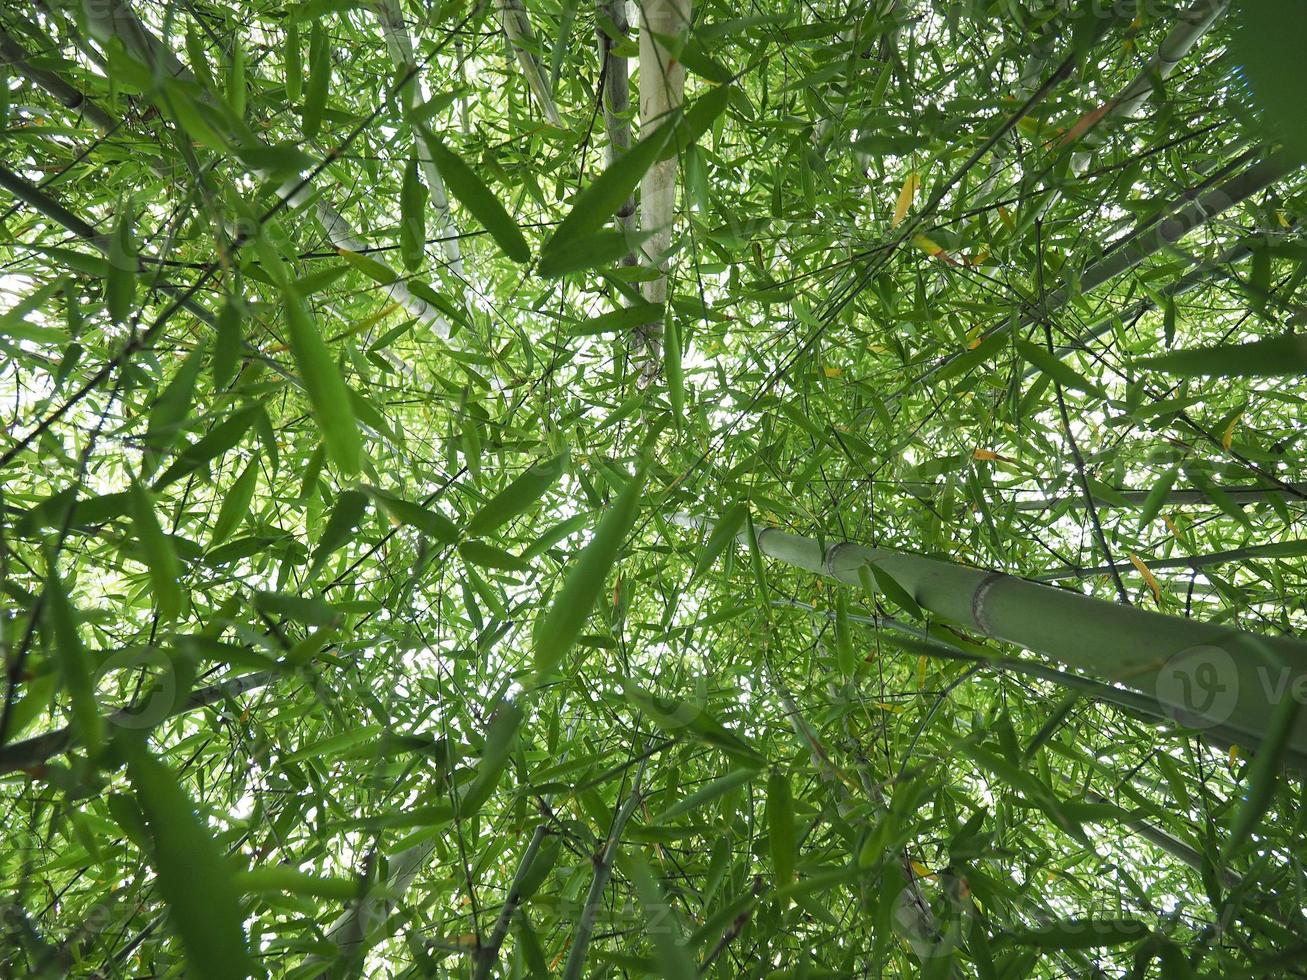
517, 28
1148, 241
1135, 498
662, 88
68, 95
1121, 644
603, 866
1278, 549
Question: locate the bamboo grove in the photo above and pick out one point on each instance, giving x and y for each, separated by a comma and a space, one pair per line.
515, 488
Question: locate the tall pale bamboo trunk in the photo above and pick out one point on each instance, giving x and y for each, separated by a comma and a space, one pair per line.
400, 45
662, 88
1160, 656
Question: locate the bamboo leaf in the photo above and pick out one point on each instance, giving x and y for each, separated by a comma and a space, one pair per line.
518, 497
236, 504
120, 288
315, 96
74, 666
326, 391
1056, 369
780, 827
165, 573
598, 202
413, 214
473, 194
1274, 357
585, 579
192, 876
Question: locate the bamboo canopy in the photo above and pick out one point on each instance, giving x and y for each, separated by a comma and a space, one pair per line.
652, 488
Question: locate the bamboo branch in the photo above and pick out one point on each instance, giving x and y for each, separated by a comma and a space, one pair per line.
1121, 644
517, 28
1135, 498
1154, 237
66, 94
662, 89
36, 751
603, 865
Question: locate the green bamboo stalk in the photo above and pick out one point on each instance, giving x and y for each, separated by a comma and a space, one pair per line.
517, 28
1120, 644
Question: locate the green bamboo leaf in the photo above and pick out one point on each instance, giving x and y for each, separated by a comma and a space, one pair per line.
518, 497
501, 739
293, 61
193, 877
426, 520
280, 879
672, 370
884, 582
228, 342
619, 320
585, 579
848, 661
1056, 369
327, 392
726, 530
412, 216
488, 556
1274, 357
780, 827
706, 794
598, 202
1158, 496
349, 510
120, 287
74, 666
1263, 774
473, 194
662, 924
588, 251
174, 402
315, 97
235, 504
157, 551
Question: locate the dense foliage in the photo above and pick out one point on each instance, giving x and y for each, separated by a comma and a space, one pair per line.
388, 464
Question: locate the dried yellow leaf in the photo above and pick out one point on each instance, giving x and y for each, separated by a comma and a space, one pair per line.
908, 192
1148, 578
1227, 437
833, 372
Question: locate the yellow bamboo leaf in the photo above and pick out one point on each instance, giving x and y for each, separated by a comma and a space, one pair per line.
984, 454
908, 192
1148, 577
1227, 437
921, 870
832, 372
926, 245
1234, 754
